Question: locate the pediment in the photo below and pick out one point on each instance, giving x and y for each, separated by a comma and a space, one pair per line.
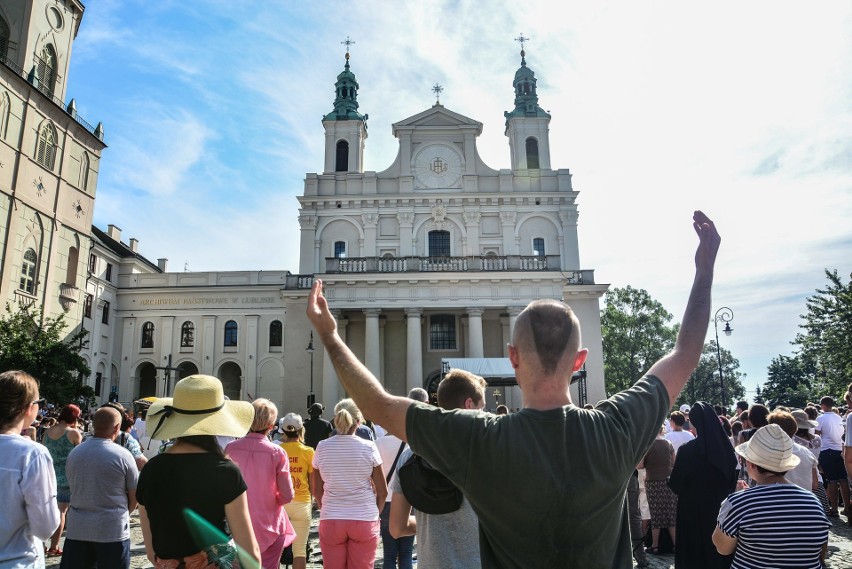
438, 117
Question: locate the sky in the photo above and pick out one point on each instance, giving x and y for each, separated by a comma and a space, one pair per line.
212, 116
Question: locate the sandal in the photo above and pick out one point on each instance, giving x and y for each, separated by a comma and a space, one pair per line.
54, 552
652, 550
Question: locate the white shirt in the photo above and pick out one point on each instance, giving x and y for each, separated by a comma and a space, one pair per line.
346, 464
677, 438
831, 427
388, 447
802, 475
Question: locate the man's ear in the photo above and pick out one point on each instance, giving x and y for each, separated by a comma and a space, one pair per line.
513, 356
580, 359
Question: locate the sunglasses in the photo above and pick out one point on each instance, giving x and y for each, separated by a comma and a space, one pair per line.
39, 402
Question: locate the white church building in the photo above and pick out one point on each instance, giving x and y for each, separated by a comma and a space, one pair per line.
428, 260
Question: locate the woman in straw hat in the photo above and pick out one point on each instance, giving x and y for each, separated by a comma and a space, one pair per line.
27, 480
266, 469
350, 490
753, 522
194, 479
301, 458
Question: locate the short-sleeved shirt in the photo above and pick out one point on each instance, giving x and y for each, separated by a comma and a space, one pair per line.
316, 430
202, 482
564, 472
100, 473
446, 540
678, 438
802, 474
346, 464
831, 431
130, 443
776, 525
301, 465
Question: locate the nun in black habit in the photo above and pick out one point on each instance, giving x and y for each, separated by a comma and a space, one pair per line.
704, 475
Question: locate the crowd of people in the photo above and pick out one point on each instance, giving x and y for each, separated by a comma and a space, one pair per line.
236, 484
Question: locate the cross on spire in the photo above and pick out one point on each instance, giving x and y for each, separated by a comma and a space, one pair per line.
347, 42
521, 39
437, 89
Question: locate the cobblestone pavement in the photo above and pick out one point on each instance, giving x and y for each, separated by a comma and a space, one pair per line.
839, 548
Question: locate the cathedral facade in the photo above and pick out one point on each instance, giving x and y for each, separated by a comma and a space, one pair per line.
430, 259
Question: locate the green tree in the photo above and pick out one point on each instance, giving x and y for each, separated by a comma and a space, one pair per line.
789, 382
826, 339
636, 333
704, 384
38, 345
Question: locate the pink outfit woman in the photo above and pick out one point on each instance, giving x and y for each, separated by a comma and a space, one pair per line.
266, 470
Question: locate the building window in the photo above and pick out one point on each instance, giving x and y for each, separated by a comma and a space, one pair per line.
538, 247
71, 269
46, 70
532, 154
4, 37
148, 335
84, 172
439, 243
442, 332
93, 263
230, 334
109, 272
187, 335
339, 249
98, 380
46, 150
5, 110
28, 272
275, 334
341, 157
87, 305
105, 313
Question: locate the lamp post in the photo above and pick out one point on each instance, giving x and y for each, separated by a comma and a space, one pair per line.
725, 315
310, 350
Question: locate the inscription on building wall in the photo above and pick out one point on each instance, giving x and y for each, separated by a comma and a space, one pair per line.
216, 300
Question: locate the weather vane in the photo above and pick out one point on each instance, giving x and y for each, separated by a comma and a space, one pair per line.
437, 89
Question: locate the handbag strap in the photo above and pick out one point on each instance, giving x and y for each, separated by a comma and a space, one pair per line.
393, 466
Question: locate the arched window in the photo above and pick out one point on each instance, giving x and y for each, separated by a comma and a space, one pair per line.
275, 334
532, 154
340, 249
28, 272
231, 334
5, 112
439, 243
148, 335
187, 335
84, 172
538, 247
341, 157
46, 69
46, 151
71, 270
4, 37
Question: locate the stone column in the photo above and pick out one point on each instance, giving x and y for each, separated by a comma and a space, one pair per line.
406, 236
308, 226
414, 357
370, 220
330, 384
372, 352
474, 333
569, 248
507, 221
471, 223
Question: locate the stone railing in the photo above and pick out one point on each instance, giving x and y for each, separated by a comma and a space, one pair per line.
343, 265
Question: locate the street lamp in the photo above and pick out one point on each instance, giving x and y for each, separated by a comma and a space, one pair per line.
310, 350
725, 315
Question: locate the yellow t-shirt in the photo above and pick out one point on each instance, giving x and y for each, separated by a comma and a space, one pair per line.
301, 465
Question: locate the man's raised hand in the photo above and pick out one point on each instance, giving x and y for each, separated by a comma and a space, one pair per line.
708, 241
318, 312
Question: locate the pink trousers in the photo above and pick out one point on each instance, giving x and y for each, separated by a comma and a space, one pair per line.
348, 544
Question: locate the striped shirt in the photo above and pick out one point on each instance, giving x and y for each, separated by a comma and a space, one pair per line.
346, 463
779, 526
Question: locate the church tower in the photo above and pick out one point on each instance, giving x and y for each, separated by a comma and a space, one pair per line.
49, 162
345, 127
527, 125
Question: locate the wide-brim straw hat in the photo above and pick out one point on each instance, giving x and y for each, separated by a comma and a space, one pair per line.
771, 448
802, 419
199, 407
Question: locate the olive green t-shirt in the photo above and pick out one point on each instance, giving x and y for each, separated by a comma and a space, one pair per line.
548, 486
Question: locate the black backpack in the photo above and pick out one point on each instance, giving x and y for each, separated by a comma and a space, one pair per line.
426, 489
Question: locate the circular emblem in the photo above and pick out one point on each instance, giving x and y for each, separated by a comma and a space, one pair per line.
437, 166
